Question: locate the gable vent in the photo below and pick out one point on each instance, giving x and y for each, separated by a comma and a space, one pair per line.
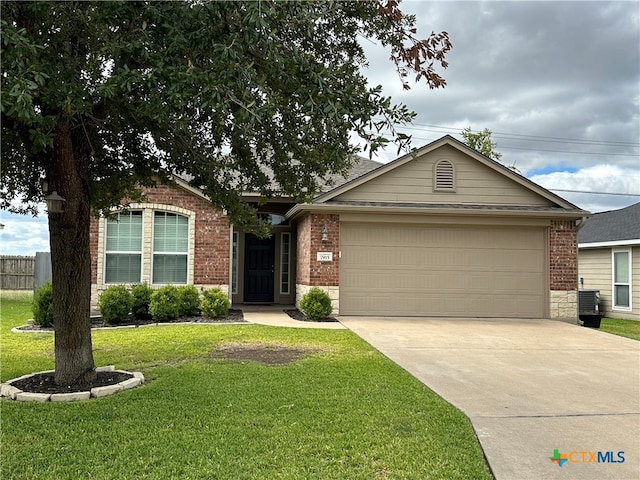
444, 176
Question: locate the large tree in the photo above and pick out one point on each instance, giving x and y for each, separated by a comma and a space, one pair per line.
101, 97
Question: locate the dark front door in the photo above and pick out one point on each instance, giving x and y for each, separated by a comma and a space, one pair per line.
259, 258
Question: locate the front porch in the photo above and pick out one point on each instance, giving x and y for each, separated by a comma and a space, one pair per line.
263, 270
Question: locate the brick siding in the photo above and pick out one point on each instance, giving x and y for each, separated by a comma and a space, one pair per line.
211, 240
563, 255
309, 270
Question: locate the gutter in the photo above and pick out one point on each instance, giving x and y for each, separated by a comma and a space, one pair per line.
300, 208
582, 223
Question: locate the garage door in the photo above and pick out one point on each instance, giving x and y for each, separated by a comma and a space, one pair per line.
424, 270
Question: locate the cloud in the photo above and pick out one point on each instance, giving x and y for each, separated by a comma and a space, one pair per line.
557, 82
23, 235
600, 179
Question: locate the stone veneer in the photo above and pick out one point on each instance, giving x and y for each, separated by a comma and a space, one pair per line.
563, 270
9, 391
309, 271
209, 240
332, 290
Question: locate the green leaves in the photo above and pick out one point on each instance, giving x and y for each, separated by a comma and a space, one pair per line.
259, 96
481, 141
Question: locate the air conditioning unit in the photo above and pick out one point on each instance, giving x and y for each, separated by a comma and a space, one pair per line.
589, 312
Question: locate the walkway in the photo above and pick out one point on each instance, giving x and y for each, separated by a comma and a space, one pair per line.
275, 316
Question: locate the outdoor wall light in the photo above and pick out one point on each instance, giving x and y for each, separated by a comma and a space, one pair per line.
325, 233
55, 203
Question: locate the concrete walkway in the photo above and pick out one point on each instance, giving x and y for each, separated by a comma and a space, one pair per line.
275, 316
530, 387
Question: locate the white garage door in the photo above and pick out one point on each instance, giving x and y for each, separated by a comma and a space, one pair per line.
424, 270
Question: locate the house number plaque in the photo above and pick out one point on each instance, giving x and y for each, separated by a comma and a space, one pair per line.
324, 256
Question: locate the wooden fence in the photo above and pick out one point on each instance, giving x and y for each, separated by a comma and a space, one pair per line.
16, 273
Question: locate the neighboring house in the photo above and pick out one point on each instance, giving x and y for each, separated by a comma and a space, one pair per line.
445, 231
609, 260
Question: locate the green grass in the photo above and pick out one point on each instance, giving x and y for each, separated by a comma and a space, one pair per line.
343, 412
624, 328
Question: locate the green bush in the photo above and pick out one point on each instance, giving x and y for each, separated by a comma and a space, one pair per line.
189, 300
165, 304
115, 304
214, 303
42, 306
141, 299
316, 304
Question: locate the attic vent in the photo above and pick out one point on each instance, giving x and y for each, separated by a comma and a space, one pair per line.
444, 176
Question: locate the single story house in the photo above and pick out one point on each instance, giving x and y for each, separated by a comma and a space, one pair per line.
444, 231
609, 260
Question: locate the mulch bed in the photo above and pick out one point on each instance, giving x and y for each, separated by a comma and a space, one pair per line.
232, 316
298, 315
44, 383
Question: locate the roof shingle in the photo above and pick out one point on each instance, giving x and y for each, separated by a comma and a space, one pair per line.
612, 226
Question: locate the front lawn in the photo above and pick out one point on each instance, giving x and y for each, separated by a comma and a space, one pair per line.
342, 412
624, 328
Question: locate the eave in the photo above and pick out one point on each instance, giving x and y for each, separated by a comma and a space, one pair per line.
437, 210
614, 243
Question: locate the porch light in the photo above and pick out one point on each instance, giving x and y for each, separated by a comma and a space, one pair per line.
55, 203
325, 233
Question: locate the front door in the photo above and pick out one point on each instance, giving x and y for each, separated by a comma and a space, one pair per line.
259, 258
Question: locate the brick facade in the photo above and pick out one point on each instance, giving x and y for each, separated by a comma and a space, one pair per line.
210, 238
309, 270
563, 270
563, 255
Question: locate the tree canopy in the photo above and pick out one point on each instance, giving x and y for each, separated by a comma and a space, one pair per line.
99, 98
215, 90
481, 141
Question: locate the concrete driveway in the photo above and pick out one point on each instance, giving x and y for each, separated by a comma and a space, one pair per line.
530, 387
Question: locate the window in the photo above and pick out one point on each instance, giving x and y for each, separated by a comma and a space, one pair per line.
170, 247
123, 250
622, 279
285, 254
444, 176
234, 264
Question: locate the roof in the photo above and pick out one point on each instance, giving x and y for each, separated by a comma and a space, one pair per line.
612, 226
360, 167
449, 140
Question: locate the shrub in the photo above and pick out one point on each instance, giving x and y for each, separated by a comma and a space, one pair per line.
165, 304
189, 300
316, 304
214, 303
141, 299
115, 304
42, 306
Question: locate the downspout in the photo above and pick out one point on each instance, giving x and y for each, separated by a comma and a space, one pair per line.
582, 223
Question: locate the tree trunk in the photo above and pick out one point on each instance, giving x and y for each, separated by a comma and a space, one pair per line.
68, 174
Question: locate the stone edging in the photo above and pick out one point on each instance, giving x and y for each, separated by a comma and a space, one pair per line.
8, 390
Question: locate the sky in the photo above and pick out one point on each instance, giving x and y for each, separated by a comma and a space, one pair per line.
558, 84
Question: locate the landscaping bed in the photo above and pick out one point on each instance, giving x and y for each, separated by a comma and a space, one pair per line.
233, 316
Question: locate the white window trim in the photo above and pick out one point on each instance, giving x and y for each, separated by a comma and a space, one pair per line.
621, 308
282, 271
153, 252
147, 242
